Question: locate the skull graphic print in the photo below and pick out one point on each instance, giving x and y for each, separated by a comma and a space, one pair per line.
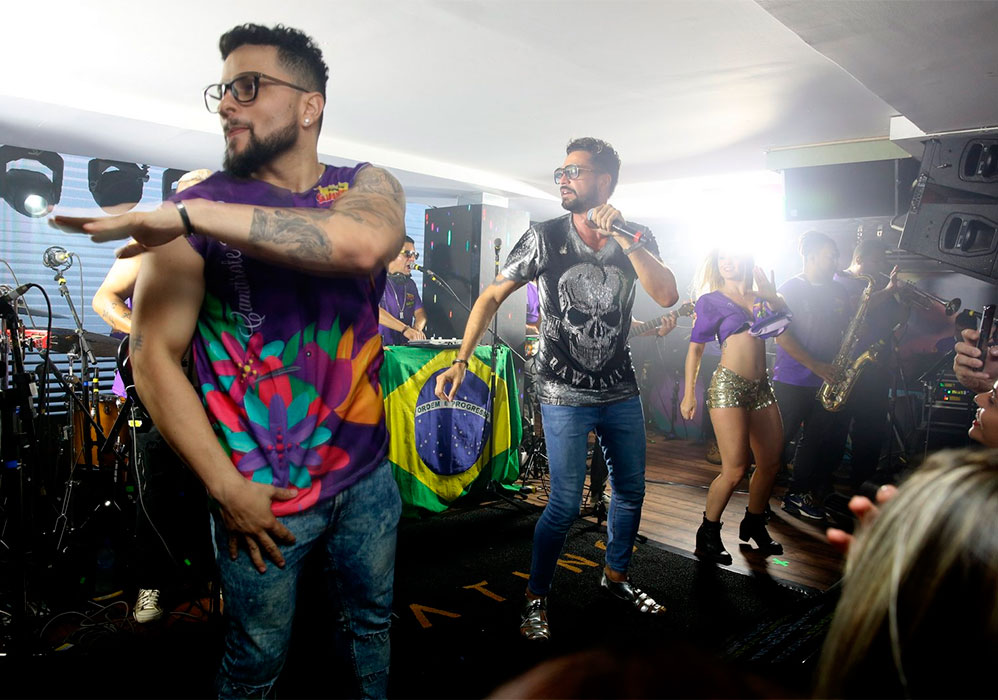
589, 296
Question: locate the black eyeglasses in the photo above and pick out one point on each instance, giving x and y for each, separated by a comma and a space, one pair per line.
243, 88
411, 254
572, 171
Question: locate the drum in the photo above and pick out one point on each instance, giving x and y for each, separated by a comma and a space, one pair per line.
106, 410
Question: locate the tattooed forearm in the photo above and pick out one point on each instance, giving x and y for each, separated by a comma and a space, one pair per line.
135, 343
295, 229
117, 315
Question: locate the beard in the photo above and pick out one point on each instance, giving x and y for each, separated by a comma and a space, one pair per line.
260, 152
577, 204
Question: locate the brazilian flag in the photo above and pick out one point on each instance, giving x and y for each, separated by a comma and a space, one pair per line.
437, 447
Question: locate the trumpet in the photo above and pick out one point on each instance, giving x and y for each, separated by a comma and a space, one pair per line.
922, 298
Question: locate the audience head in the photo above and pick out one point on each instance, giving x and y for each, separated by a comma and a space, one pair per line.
919, 610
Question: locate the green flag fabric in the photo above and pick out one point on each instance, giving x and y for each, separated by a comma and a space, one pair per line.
437, 448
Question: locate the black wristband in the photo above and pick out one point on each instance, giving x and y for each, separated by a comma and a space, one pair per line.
186, 218
459, 361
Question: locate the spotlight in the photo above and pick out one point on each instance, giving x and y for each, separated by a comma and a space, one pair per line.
116, 185
170, 177
30, 192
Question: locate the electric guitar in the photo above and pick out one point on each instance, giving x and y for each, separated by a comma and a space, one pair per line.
684, 310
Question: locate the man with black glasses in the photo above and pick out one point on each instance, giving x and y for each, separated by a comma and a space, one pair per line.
402, 316
585, 274
274, 269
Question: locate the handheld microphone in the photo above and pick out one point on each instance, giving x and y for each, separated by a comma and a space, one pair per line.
57, 256
621, 227
16, 292
497, 244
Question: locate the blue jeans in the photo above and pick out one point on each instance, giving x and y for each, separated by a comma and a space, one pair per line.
357, 528
621, 430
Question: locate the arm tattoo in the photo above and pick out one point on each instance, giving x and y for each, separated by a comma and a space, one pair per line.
135, 343
295, 229
376, 198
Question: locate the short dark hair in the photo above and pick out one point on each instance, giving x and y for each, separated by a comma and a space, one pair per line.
868, 247
605, 158
295, 49
408, 239
813, 241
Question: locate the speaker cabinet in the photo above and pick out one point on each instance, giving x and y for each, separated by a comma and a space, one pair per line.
459, 247
953, 217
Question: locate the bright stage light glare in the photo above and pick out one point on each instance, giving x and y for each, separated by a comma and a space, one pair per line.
36, 205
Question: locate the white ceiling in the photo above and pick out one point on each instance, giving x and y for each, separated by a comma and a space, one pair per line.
482, 95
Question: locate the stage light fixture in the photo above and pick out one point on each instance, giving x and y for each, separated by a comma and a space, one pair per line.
30, 192
170, 177
116, 185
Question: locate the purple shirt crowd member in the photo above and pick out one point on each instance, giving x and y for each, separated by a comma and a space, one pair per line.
401, 316
821, 313
586, 278
533, 305
822, 310
740, 311
275, 269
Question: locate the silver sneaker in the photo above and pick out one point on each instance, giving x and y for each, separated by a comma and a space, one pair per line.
534, 622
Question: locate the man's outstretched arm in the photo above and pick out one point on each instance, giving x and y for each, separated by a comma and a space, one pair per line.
358, 235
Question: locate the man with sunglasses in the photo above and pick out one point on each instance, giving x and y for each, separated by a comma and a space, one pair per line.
274, 268
401, 315
586, 274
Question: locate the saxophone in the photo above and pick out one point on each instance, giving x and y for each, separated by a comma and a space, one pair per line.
834, 396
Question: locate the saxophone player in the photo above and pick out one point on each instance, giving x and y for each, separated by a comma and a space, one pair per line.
804, 355
863, 419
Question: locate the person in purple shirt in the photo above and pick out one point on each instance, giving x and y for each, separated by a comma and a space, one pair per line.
822, 310
274, 269
401, 317
740, 398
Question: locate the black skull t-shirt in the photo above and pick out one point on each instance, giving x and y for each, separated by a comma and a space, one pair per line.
585, 299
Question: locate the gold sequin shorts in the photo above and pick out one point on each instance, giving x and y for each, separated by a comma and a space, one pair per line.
730, 390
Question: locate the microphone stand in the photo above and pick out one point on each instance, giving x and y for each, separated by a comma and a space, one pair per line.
434, 277
87, 360
17, 428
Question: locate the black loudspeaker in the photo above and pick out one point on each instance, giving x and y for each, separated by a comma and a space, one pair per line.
459, 247
953, 217
849, 190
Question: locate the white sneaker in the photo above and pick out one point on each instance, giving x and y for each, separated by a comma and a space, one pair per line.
147, 606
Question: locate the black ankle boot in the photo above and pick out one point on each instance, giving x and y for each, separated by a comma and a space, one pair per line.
709, 545
754, 527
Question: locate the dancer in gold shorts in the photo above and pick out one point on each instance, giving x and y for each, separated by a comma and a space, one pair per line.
740, 398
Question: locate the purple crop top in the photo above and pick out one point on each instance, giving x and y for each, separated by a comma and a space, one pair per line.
717, 316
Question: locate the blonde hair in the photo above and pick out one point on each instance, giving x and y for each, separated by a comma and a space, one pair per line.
708, 276
918, 615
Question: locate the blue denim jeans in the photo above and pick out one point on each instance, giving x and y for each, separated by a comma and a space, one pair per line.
621, 430
357, 528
